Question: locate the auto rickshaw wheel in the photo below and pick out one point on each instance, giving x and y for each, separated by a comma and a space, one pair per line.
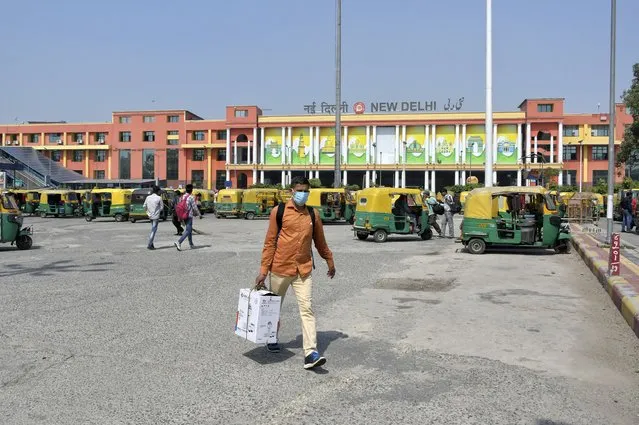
88, 218
43, 214
476, 246
380, 235
249, 215
24, 242
119, 217
563, 248
132, 220
217, 216
362, 236
427, 235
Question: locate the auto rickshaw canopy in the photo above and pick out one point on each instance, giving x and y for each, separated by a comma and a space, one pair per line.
252, 195
229, 196
484, 203
381, 199
118, 196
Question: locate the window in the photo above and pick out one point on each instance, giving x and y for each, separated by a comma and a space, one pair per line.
99, 174
545, 107
242, 154
34, 138
78, 138
125, 136
173, 137
599, 131
198, 154
125, 120
173, 142
125, 164
173, 133
221, 154
197, 178
56, 156
100, 138
148, 119
241, 113
55, 137
148, 164
148, 136
570, 153
599, 175
600, 153
99, 156
569, 177
78, 156
172, 162
173, 118
199, 135
220, 179
571, 130
221, 135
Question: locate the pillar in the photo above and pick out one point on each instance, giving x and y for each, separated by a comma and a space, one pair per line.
402, 144
560, 144
403, 178
519, 153
289, 144
432, 181
209, 168
536, 151
463, 177
309, 152
552, 149
368, 179
316, 150
560, 178
433, 146
368, 146
283, 154
457, 177
228, 146
254, 147
289, 177
109, 155
283, 179
344, 177
396, 179
457, 150
396, 145
254, 177
344, 146
426, 180
528, 143
426, 144
463, 146
261, 151
519, 177
86, 164
261, 176
494, 177
494, 148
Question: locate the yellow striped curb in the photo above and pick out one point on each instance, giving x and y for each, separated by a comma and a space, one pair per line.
630, 310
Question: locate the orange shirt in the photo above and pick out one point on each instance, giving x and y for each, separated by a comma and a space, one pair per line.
292, 255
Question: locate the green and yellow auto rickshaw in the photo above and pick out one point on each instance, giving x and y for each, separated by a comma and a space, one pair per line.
284, 195
229, 203
27, 200
114, 203
258, 202
383, 211
332, 204
11, 229
137, 211
533, 220
462, 199
58, 203
205, 200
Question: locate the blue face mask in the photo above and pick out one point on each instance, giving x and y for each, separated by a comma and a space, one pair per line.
300, 198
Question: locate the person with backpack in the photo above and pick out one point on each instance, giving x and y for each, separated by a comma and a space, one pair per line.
449, 208
186, 209
287, 257
626, 212
176, 221
434, 208
154, 206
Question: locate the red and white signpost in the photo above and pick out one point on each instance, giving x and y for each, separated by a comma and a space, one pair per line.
614, 261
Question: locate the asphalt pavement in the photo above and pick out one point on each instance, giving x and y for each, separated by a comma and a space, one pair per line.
96, 329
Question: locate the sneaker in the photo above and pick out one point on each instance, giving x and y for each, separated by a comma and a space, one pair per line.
150, 247
191, 246
313, 360
177, 246
273, 348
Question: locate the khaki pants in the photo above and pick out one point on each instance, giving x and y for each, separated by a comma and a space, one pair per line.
303, 293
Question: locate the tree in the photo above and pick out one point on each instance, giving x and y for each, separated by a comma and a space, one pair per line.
629, 151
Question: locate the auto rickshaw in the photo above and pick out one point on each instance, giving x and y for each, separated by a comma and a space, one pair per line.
332, 204
600, 204
285, 195
462, 199
58, 203
379, 215
205, 200
533, 220
258, 202
11, 229
229, 203
137, 211
27, 200
114, 203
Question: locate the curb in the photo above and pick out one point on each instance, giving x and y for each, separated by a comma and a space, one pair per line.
624, 295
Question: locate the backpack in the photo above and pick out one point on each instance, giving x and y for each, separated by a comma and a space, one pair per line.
182, 208
438, 209
280, 216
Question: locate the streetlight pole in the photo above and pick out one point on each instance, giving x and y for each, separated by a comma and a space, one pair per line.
404, 166
611, 119
337, 180
489, 95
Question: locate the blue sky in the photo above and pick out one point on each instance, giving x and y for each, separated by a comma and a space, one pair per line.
78, 60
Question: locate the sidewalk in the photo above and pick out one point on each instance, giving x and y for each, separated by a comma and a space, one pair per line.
623, 289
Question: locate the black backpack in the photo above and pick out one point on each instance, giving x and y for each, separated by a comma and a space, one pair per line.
438, 209
280, 216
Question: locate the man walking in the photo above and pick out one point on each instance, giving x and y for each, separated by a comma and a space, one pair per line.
191, 211
287, 256
174, 218
449, 204
432, 216
154, 206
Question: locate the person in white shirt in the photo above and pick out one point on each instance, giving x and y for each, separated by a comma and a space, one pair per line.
449, 203
154, 206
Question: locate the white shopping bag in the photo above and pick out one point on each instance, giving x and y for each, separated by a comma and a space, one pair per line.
258, 315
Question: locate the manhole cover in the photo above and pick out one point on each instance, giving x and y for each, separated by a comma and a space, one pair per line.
435, 284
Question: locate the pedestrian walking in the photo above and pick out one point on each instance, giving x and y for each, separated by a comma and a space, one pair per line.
626, 208
431, 202
186, 210
174, 218
287, 257
449, 205
154, 206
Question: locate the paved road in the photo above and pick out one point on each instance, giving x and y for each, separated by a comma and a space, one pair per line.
96, 329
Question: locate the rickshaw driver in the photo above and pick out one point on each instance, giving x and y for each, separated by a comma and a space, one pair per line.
401, 208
